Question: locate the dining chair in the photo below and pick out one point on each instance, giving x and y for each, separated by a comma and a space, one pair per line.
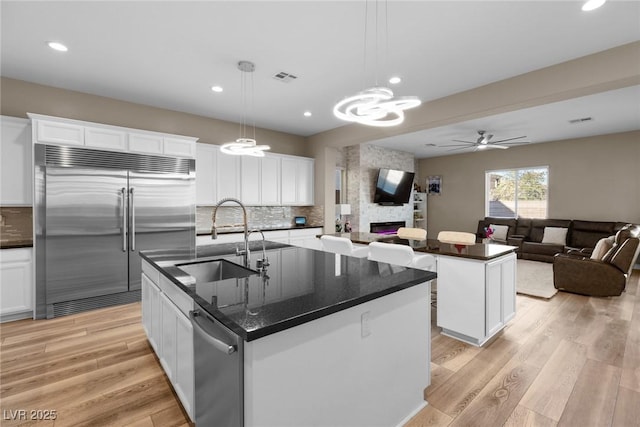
457, 237
401, 255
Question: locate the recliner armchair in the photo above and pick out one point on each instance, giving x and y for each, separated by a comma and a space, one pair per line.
605, 277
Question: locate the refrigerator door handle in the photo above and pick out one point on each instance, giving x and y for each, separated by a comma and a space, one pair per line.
123, 191
133, 221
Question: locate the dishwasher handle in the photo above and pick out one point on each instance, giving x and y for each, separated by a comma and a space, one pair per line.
195, 317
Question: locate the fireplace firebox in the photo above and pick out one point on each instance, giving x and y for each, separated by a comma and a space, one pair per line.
389, 227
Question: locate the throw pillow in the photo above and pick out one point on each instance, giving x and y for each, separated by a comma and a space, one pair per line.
499, 232
555, 235
602, 247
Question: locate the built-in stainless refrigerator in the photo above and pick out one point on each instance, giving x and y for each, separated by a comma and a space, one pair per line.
94, 212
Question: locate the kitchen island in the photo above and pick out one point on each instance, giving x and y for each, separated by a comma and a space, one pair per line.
476, 295
320, 338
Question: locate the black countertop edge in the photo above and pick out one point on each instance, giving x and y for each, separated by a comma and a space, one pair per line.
317, 314
221, 232
17, 245
284, 324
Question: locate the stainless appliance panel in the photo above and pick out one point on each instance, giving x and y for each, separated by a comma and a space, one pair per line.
85, 236
161, 215
219, 372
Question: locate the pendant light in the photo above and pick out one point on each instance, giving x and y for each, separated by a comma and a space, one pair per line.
375, 106
245, 146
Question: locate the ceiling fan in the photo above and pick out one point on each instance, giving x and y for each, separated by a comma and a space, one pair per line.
484, 141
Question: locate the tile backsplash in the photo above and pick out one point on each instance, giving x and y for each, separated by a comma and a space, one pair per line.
262, 217
16, 224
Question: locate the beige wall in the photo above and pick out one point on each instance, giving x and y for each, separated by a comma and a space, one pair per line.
20, 97
596, 178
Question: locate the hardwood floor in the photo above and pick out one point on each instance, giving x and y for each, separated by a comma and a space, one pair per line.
569, 361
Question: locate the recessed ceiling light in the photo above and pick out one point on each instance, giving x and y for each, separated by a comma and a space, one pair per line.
57, 46
592, 4
395, 80
307, 113
217, 89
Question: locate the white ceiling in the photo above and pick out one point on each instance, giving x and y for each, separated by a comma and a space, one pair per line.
168, 54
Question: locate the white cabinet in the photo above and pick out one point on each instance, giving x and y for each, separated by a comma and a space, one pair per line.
110, 139
16, 284
170, 333
306, 238
297, 181
227, 172
476, 298
61, 131
250, 187
16, 181
206, 160
270, 180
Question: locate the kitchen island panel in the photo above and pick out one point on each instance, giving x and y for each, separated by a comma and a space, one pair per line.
328, 371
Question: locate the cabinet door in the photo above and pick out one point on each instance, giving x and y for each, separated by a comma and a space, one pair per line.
155, 339
147, 307
59, 133
270, 181
145, 143
184, 378
168, 347
15, 161
227, 176
250, 180
179, 147
109, 139
304, 195
16, 281
206, 159
288, 176
493, 298
509, 289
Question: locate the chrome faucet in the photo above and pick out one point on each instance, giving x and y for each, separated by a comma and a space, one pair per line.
214, 228
261, 264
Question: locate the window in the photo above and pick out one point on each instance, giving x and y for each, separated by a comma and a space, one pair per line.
513, 193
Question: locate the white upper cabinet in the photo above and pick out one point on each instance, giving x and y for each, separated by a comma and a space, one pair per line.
60, 131
297, 181
260, 180
272, 180
227, 176
206, 159
15, 159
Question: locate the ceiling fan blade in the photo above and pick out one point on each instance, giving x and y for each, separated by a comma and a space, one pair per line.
502, 147
515, 143
461, 148
466, 142
508, 139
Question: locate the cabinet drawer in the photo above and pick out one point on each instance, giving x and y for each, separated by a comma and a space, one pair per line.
183, 301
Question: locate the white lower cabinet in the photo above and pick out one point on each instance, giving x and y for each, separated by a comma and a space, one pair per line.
476, 298
16, 284
170, 333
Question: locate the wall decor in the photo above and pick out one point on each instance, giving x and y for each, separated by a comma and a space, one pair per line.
434, 185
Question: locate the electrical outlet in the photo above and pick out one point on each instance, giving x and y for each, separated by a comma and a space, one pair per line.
365, 323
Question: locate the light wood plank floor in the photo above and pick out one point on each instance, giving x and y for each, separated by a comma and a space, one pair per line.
569, 361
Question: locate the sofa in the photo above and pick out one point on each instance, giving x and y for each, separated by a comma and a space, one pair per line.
528, 235
604, 273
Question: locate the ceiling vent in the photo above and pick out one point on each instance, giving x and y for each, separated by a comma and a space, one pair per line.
581, 120
285, 77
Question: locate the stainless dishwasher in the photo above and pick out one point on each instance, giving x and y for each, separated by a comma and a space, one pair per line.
219, 378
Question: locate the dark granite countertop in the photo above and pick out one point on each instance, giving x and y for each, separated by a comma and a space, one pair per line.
479, 251
301, 285
241, 230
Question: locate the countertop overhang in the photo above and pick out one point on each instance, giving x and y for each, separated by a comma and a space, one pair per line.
319, 284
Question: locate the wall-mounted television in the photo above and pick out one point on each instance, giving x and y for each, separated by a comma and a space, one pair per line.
393, 187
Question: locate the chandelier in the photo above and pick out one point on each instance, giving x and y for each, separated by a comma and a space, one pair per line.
375, 106
245, 146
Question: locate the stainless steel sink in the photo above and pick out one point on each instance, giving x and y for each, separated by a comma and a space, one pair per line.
215, 270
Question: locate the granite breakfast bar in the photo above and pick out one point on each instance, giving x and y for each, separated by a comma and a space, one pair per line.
322, 339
